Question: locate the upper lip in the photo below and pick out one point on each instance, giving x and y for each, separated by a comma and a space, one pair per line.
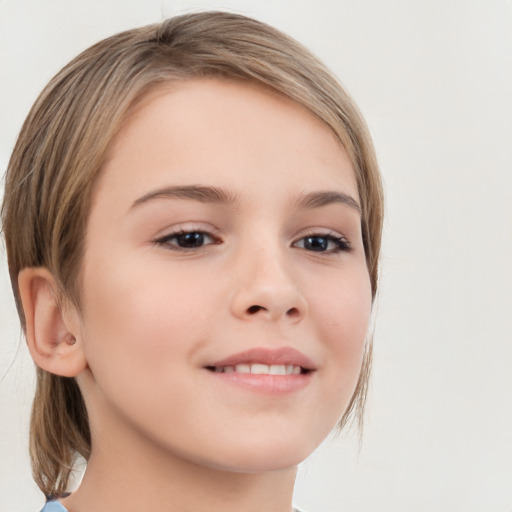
280, 356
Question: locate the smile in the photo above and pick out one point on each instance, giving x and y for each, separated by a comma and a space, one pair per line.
260, 369
274, 371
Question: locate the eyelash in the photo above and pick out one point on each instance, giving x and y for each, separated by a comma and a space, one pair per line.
342, 244
166, 240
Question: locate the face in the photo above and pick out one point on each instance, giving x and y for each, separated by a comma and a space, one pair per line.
224, 289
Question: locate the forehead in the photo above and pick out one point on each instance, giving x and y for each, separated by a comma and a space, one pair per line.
225, 133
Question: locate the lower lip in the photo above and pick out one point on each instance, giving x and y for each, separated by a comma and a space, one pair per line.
265, 383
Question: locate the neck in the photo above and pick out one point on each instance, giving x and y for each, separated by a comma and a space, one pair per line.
123, 475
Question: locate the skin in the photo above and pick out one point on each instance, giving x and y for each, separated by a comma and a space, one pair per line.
168, 434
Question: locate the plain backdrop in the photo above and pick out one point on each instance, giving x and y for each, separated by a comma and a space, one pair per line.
434, 80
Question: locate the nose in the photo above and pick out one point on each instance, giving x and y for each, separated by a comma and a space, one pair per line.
266, 290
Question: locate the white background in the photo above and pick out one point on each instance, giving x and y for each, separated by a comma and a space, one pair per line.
434, 81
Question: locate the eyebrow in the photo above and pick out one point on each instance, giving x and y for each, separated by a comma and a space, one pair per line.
209, 194
199, 193
319, 199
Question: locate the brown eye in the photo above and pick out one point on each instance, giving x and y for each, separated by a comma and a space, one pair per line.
186, 240
189, 240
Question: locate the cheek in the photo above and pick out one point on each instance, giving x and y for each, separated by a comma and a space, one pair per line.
344, 318
142, 316
346, 308
142, 330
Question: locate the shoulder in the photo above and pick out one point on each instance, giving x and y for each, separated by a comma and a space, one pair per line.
53, 506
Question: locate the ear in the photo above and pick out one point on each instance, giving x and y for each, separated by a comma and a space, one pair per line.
52, 335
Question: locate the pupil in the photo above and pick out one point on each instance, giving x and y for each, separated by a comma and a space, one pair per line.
190, 240
316, 243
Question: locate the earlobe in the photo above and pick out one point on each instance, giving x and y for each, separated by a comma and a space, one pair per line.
52, 339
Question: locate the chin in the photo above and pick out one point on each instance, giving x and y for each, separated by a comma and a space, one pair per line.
264, 455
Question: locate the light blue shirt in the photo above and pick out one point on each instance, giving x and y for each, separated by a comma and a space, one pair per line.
53, 506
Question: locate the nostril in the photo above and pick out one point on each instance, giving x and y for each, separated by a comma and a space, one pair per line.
293, 312
254, 309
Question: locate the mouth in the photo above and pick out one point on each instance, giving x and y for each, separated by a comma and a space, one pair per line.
261, 369
283, 361
271, 372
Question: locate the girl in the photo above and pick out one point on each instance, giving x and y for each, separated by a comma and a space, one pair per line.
192, 216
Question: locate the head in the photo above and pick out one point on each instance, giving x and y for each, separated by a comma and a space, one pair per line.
64, 147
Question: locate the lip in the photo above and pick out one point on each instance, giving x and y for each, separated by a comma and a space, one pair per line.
281, 356
265, 384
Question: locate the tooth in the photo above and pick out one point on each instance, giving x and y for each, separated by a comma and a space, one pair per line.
277, 369
259, 368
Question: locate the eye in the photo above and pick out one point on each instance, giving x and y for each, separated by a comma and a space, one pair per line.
183, 240
331, 243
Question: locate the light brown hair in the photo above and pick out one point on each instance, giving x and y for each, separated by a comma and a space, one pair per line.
62, 146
